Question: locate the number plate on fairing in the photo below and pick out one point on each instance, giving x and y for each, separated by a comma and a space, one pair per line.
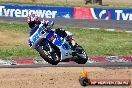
36, 35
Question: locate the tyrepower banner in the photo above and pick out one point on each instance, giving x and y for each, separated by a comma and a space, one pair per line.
103, 13
41, 11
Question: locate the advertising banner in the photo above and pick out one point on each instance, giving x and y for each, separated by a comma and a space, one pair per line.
82, 13
103, 13
41, 11
111, 14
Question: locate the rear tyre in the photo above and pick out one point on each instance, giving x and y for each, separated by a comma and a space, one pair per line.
50, 57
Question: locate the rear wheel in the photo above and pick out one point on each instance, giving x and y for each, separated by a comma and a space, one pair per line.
49, 56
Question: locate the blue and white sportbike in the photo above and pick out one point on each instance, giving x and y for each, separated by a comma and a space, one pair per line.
54, 49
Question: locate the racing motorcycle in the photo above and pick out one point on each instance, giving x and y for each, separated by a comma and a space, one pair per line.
54, 49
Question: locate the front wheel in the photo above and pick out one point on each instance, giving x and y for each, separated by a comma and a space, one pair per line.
49, 56
81, 55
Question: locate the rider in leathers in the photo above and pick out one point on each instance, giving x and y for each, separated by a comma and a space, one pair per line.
33, 22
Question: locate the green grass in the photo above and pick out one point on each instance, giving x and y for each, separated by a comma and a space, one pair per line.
103, 43
18, 53
60, 3
15, 27
95, 42
68, 4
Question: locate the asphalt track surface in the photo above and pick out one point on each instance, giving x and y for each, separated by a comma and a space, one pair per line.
119, 25
85, 23
112, 64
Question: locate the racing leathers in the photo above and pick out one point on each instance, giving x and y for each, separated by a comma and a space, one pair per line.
33, 22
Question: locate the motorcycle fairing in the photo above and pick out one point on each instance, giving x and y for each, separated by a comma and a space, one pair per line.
61, 43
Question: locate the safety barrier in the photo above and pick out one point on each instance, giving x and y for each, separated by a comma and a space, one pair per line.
41, 11
103, 13
66, 12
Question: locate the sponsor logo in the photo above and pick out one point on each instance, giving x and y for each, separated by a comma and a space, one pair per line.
25, 12
100, 13
104, 14
85, 80
111, 14
123, 15
67, 16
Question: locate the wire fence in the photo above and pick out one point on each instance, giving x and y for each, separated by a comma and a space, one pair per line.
117, 3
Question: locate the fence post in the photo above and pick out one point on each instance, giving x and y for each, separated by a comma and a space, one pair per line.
66, 1
100, 2
93, 1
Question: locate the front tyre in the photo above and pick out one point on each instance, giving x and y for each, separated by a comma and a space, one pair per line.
81, 55
48, 56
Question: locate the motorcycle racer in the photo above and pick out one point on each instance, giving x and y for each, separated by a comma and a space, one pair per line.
33, 22
54, 45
